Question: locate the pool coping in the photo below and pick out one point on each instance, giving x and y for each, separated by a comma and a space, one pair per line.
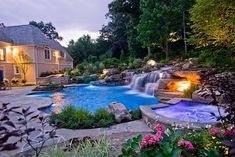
151, 118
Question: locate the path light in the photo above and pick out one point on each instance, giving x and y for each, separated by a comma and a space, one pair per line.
105, 71
151, 62
183, 85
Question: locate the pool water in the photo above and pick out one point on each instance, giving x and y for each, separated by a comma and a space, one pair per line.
94, 97
190, 111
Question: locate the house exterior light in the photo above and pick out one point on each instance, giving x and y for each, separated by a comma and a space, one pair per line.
8, 49
15, 51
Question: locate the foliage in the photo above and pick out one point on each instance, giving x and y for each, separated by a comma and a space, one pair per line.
222, 91
159, 143
22, 61
79, 119
81, 49
22, 129
48, 73
213, 23
188, 143
160, 22
136, 114
188, 92
101, 147
48, 29
211, 57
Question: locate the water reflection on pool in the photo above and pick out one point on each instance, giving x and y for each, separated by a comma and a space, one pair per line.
94, 97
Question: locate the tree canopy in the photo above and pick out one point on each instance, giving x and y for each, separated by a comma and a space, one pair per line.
213, 22
48, 29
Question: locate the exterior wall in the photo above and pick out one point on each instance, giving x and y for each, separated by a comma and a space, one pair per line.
6, 66
39, 63
55, 63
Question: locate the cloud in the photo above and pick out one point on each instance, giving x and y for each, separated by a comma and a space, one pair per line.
75, 16
75, 34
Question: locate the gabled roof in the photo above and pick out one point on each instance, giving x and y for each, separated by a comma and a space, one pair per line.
30, 35
4, 37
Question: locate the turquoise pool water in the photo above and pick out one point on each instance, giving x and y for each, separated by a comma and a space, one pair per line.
190, 111
94, 97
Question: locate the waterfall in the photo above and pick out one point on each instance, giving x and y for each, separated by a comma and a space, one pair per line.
149, 82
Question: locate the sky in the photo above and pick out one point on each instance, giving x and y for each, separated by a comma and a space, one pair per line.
72, 18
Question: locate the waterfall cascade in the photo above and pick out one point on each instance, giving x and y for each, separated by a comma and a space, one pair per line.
149, 82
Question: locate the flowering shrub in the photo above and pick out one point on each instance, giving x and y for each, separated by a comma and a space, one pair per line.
178, 143
160, 143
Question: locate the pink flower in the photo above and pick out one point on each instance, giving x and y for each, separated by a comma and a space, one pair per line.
228, 131
187, 144
214, 131
159, 128
150, 140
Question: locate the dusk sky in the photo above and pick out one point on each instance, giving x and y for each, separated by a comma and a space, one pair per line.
72, 18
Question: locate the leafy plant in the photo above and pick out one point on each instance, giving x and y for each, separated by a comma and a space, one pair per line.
158, 144
72, 118
34, 138
100, 147
188, 93
136, 114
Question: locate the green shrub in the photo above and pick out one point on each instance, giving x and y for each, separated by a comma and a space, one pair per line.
48, 73
101, 113
136, 114
188, 93
72, 118
216, 57
105, 122
164, 61
101, 147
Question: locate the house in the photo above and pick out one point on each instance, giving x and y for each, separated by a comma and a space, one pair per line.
46, 55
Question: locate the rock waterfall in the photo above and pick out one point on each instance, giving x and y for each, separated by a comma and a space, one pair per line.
149, 82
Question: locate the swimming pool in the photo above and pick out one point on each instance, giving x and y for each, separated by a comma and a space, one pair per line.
92, 97
190, 111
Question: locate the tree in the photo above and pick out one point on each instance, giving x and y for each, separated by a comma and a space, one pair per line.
160, 23
81, 49
48, 29
213, 23
131, 10
22, 61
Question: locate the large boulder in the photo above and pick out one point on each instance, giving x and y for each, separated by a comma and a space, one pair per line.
116, 79
120, 112
198, 96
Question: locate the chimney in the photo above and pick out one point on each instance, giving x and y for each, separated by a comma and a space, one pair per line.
2, 25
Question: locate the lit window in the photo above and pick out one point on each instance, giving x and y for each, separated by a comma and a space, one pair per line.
47, 53
2, 55
17, 70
